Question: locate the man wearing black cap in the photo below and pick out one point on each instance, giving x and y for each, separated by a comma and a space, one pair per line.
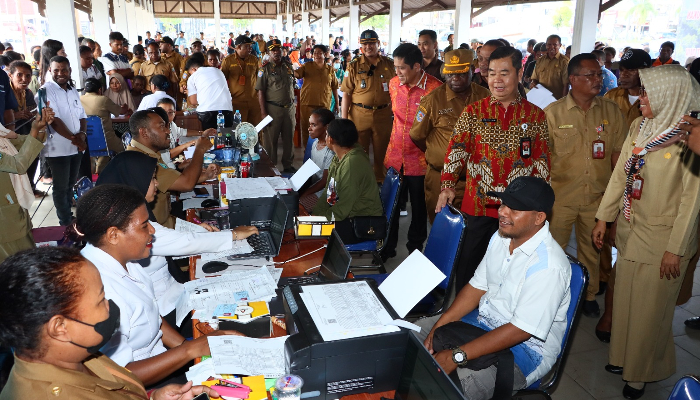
240, 70
168, 53
366, 101
626, 94
275, 86
520, 292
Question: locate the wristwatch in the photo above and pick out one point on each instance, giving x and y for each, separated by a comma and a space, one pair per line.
459, 357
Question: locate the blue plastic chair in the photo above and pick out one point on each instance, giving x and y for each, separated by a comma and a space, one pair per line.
97, 144
442, 249
390, 199
577, 287
307, 151
687, 388
126, 139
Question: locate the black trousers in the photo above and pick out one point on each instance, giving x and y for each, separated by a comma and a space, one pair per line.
414, 186
208, 119
474, 245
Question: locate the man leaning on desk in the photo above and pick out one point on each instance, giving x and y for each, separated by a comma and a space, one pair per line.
521, 292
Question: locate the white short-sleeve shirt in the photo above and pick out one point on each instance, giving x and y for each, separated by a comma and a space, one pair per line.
529, 289
139, 335
67, 106
152, 100
211, 88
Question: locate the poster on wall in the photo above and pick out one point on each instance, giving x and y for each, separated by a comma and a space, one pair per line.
688, 34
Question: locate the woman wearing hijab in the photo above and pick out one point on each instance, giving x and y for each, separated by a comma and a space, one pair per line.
655, 189
119, 93
137, 170
95, 103
56, 345
159, 86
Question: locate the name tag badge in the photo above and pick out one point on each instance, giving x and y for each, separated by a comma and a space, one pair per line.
385, 86
598, 149
241, 80
525, 147
487, 120
637, 187
565, 126
363, 84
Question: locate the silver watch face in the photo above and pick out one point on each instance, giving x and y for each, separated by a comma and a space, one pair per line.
458, 357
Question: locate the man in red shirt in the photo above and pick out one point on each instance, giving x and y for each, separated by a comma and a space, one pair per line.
406, 89
496, 139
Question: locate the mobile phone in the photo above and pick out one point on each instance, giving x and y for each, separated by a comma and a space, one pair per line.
695, 114
201, 396
41, 99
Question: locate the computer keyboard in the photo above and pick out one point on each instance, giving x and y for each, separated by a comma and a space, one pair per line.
301, 280
260, 244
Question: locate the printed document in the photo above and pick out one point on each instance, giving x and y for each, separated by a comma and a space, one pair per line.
248, 356
303, 174
248, 188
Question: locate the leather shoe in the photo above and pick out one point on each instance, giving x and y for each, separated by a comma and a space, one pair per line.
601, 288
591, 309
693, 322
603, 336
631, 393
614, 369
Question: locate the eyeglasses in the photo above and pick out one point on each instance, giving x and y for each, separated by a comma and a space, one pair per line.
371, 70
591, 76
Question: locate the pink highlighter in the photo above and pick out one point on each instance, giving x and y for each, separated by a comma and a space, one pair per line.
232, 389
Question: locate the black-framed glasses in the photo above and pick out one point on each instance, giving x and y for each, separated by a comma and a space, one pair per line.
371, 70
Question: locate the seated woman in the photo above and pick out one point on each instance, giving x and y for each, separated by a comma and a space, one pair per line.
351, 190
95, 103
137, 170
158, 85
119, 93
321, 154
56, 345
114, 221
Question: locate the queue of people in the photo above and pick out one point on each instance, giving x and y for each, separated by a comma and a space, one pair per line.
616, 168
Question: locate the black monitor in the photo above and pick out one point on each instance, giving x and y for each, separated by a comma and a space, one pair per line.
336, 260
278, 223
422, 378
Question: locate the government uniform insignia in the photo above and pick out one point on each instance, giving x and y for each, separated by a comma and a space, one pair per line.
260, 73
454, 60
419, 116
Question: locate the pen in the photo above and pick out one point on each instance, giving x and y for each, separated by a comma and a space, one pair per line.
196, 220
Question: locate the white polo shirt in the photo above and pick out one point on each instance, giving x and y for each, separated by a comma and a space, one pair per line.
152, 100
67, 106
529, 289
111, 61
211, 88
139, 335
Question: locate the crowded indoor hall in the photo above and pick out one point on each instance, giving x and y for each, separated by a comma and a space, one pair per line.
350, 200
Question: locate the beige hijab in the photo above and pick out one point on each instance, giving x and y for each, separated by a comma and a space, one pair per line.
20, 182
123, 96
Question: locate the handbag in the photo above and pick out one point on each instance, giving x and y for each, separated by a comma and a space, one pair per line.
369, 228
457, 333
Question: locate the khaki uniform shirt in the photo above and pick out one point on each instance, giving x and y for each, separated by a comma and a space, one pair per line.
176, 60
666, 216
552, 74
440, 110
621, 97
369, 90
13, 218
576, 177
148, 69
166, 177
103, 107
319, 84
276, 82
107, 381
243, 71
136, 66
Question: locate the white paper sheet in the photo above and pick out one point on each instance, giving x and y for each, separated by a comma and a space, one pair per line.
540, 96
263, 123
248, 356
248, 188
412, 280
346, 310
279, 183
238, 247
303, 174
259, 284
184, 226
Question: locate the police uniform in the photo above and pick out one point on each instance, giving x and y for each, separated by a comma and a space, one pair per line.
148, 69
178, 63
552, 74
582, 144
276, 82
320, 83
437, 114
370, 110
241, 75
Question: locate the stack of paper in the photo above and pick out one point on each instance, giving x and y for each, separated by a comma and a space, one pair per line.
278, 183
248, 356
248, 188
238, 247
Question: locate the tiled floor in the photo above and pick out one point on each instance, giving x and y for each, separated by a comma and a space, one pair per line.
584, 377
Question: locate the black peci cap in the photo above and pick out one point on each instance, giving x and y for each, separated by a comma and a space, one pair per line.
527, 193
242, 39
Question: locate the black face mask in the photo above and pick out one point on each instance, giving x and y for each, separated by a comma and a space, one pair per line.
105, 328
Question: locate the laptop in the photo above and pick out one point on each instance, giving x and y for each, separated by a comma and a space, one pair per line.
268, 241
422, 378
334, 267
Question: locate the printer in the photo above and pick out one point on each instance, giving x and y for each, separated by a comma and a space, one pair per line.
332, 369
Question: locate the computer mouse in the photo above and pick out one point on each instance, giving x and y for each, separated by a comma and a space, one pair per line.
210, 203
214, 266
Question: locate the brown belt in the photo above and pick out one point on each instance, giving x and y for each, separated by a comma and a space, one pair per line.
372, 107
274, 103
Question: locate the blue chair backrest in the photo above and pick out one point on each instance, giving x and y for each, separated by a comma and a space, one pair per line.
97, 144
81, 187
444, 241
687, 388
126, 139
307, 151
390, 192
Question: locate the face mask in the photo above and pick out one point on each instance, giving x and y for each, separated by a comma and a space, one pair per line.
336, 65
105, 328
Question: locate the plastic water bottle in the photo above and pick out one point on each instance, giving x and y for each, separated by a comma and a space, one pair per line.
237, 118
220, 121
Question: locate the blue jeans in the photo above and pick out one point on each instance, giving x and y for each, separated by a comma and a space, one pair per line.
65, 174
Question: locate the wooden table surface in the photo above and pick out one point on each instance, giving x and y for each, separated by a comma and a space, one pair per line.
291, 248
